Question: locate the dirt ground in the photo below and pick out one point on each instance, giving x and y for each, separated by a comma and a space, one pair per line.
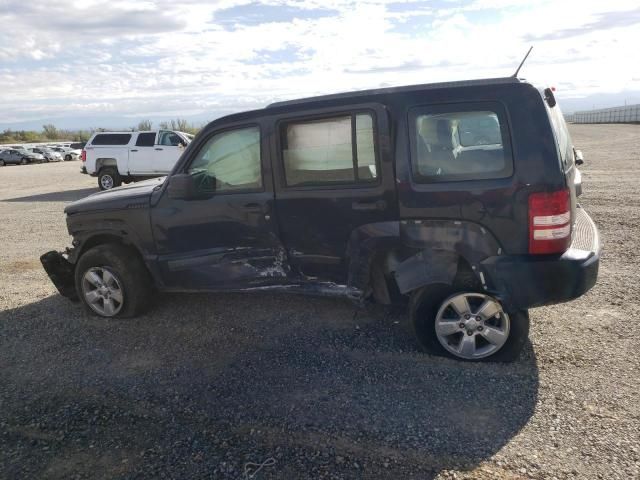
212, 386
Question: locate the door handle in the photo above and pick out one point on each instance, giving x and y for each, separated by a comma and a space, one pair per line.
256, 208
369, 206
159, 149
133, 150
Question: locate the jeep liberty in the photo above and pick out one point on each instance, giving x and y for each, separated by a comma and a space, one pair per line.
458, 200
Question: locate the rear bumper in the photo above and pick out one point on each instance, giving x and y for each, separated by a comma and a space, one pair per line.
61, 273
526, 281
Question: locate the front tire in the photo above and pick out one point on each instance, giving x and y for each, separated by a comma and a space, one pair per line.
109, 178
113, 282
23, 161
67, 158
467, 326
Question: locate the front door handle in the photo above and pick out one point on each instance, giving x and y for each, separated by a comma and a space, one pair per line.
134, 150
159, 149
369, 206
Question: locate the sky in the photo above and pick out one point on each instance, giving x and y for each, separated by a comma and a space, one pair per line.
94, 63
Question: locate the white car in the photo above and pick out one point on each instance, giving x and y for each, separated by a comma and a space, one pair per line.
48, 154
117, 157
68, 153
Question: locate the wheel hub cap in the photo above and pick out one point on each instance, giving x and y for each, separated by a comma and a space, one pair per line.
102, 291
472, 325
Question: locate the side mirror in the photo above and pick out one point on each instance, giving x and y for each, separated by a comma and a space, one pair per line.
579, 157
182, 186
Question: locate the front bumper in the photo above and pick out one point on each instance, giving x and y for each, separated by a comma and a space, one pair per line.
526, 281
61, 273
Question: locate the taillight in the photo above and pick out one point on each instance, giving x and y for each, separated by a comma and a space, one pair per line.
83, 155
549, 222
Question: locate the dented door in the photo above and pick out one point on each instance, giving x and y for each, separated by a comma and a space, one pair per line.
228, 240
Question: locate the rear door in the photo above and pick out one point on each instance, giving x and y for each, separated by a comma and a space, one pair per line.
227, 240
333, 174
141, 154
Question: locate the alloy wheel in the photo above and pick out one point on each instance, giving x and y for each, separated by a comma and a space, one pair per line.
102, 291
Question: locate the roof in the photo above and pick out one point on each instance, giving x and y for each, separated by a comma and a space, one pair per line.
388, 90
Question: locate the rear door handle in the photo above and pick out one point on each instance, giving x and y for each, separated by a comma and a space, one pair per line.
256, 208
369, 206
159, 149
133, 150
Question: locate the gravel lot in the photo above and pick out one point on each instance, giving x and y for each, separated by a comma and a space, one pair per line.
205, 384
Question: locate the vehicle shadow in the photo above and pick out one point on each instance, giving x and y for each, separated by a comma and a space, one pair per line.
204, 384
63, 196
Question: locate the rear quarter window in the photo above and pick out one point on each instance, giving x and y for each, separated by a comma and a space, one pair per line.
111, 139
460, 142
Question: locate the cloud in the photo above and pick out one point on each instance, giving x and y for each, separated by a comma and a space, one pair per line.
604, 21
63, 59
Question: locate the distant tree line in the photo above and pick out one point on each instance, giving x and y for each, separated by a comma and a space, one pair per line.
51, 133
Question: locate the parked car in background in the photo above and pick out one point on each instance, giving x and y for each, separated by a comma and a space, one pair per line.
457, 200
68, 153
48, 154
117, 157
19, 157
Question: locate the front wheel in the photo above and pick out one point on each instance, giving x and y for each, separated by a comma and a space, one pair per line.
67, 158
108, 178
467, 326
112, 281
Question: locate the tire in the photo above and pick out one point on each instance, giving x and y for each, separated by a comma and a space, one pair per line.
67, 158
1, 163
129, 287
108, 178
23, 161
431, 303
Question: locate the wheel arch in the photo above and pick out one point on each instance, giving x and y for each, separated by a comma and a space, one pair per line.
390, 260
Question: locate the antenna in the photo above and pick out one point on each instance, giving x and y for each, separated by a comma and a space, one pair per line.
522, 62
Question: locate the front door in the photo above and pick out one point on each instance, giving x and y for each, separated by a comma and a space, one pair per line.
167, 151
228, 240
334, 176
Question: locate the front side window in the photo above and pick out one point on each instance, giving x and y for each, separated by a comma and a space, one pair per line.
229, 161
454, 143
338, 150
170, 139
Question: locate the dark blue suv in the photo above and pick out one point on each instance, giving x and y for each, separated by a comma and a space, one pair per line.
456, 199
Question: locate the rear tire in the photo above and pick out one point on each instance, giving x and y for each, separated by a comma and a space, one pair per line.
113, 274
425, 309
67, 158
23, 161
109, 178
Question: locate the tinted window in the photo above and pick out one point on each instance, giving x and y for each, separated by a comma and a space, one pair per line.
146, 140
111, 139
455, 143
327, 151
229, 161
561, 132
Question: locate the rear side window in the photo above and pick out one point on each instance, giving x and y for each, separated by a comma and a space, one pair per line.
561, 132
460, 142
111, 139
146, 140
337, 150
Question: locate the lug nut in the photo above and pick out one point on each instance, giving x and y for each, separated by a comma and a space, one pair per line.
461, 325
467, 316
480, 328
469, 332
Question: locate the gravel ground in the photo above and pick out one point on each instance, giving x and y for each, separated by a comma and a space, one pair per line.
205, 384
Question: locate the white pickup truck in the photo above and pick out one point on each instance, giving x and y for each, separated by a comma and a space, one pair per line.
117, 157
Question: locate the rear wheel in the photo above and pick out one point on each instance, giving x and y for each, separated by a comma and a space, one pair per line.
112, 281
108, 178
468, 326
67, 158
23, 161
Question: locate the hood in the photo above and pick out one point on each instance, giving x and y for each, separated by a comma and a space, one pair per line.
135, 195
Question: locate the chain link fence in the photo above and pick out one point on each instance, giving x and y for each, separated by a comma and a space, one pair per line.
626, 114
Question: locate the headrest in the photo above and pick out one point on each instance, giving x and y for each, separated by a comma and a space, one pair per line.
436, 132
